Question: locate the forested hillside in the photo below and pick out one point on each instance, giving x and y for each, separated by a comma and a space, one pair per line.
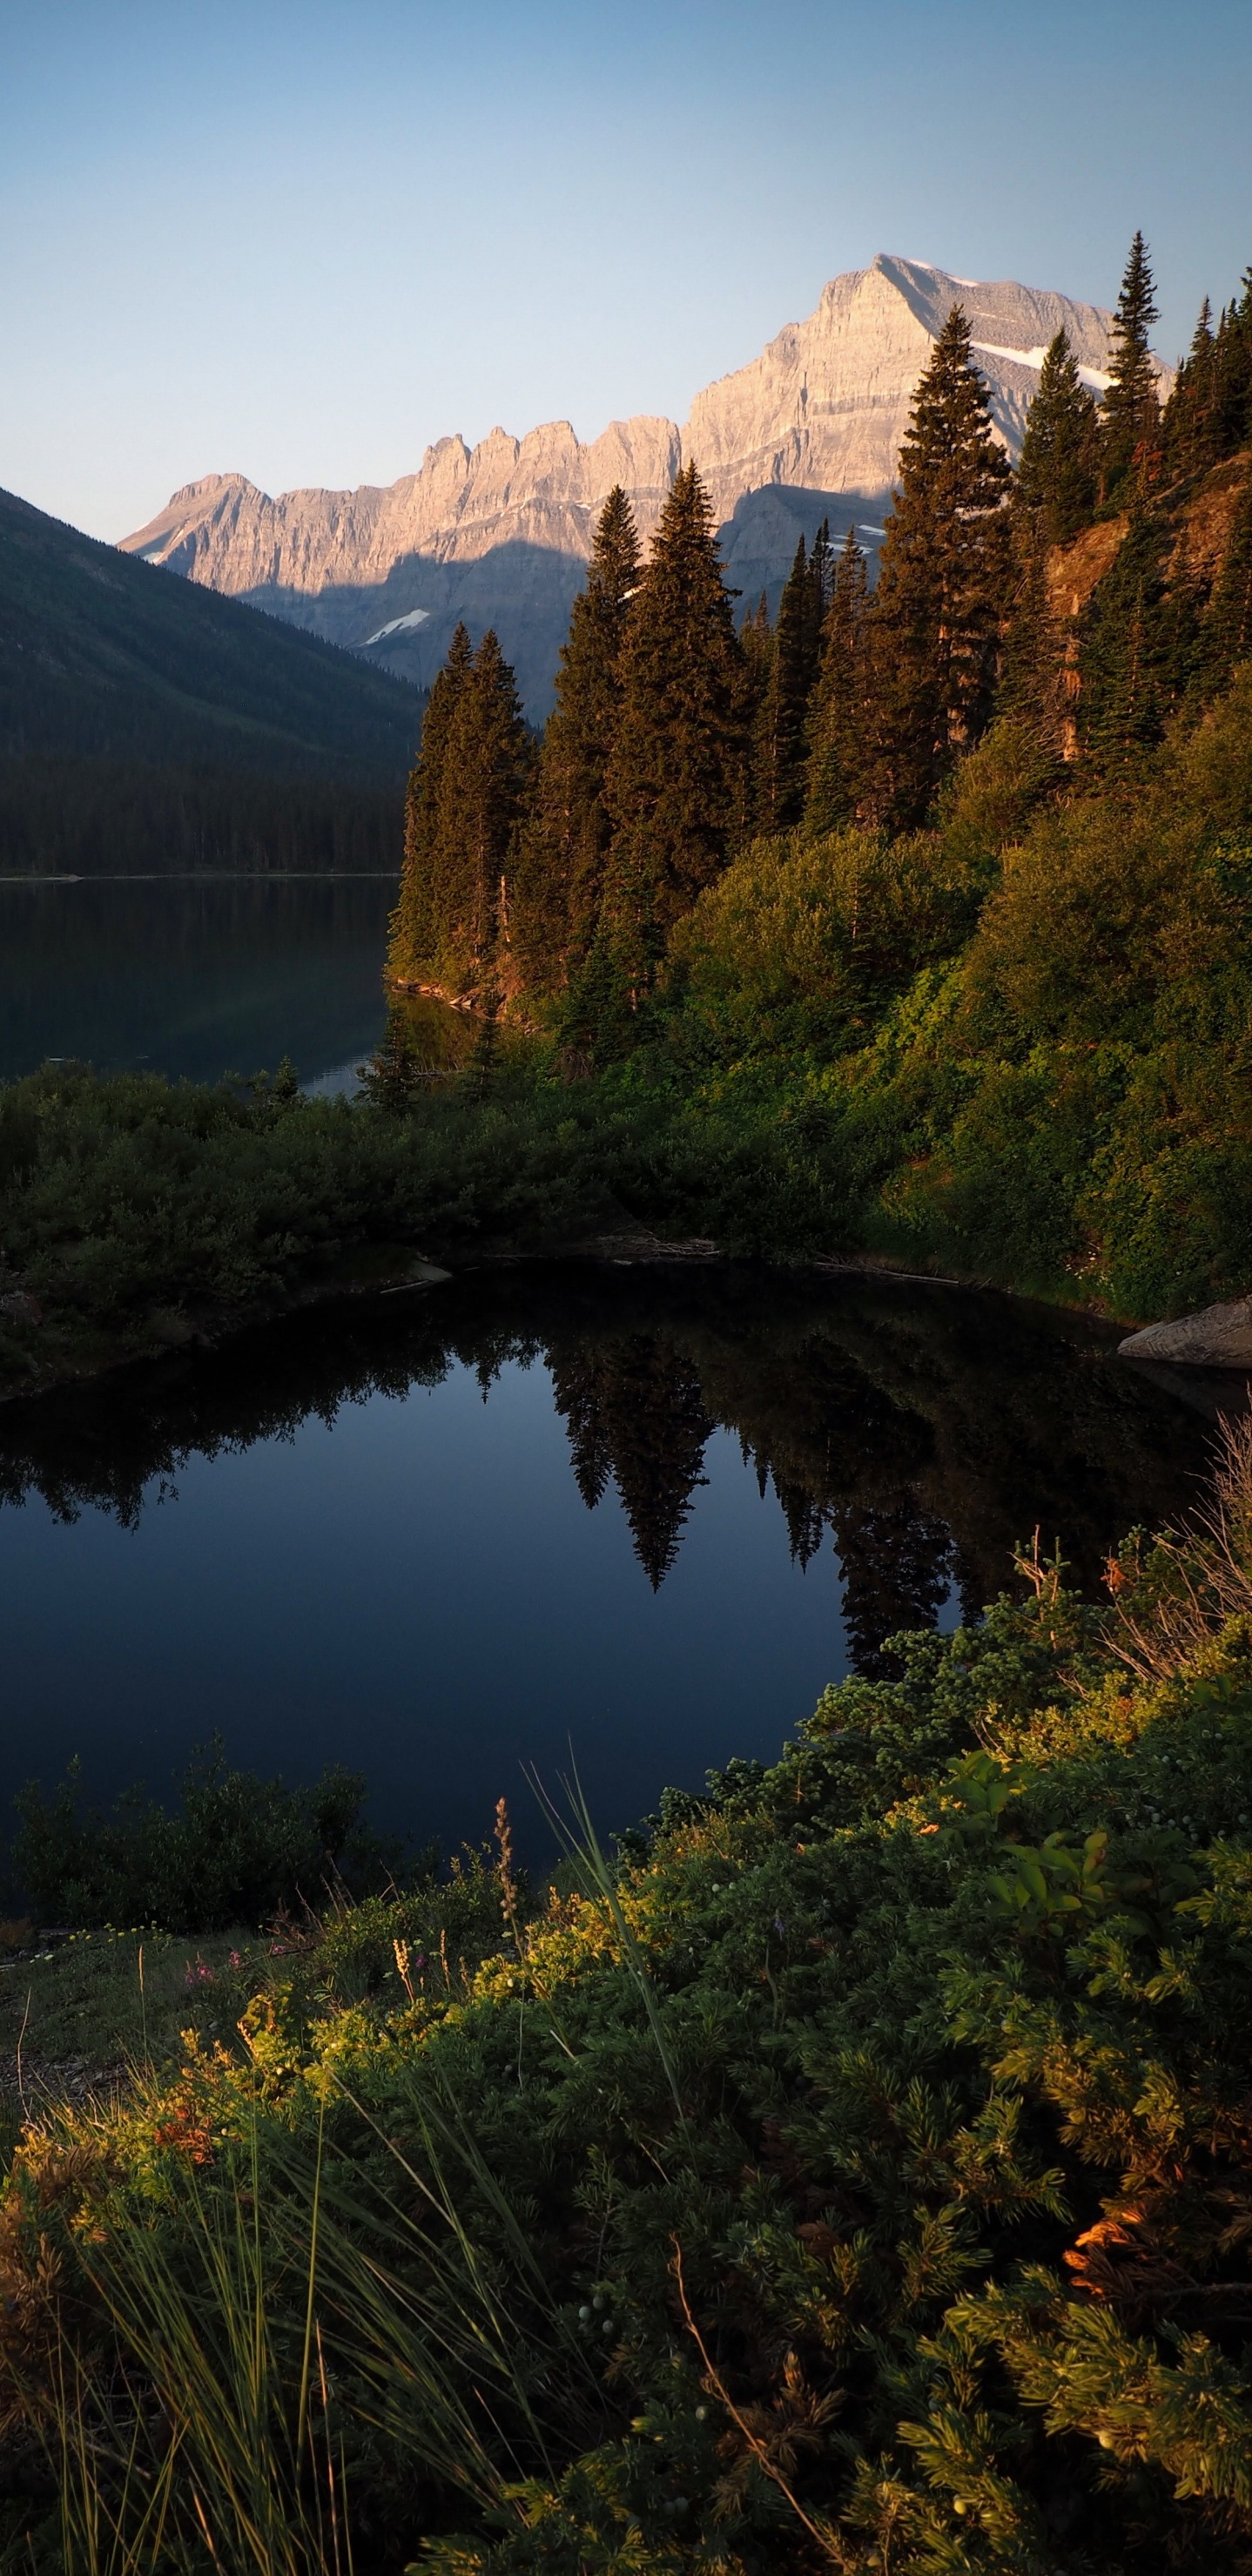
941, 887
145, 723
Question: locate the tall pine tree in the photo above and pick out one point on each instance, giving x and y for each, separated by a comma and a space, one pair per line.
837, 720
781, 748
1138, 651
1190, 430
1055, 487
561, 860
1130, 413
675, 784
1032, 660
1232, 368
944, 573
1228, 625
478, 808
414, 927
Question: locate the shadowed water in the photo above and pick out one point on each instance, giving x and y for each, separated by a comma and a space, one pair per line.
194, 976
643, 1514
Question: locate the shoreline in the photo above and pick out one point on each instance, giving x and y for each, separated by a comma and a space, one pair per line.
395, 1270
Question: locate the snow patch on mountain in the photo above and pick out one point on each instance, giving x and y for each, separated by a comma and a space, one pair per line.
1093, 377
396, 626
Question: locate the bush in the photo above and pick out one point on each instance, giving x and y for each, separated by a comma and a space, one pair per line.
241, 1850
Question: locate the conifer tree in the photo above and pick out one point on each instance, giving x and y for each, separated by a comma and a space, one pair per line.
1190, 433
582, 1393
1032, 671
414, 929
1228, 626
944, 571
837, 722
781, 747
820, 586
1138, 651
482, 780
675, 778
561, 862
756, 644
1130, 417
635, 1408
896, 1561
1056, 474
1232, 369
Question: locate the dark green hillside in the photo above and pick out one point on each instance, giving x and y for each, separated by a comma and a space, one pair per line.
148, 724
106, 657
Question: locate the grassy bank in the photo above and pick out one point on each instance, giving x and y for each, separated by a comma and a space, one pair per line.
854, 2174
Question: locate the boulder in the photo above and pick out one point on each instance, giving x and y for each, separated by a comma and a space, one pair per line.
1217, 1337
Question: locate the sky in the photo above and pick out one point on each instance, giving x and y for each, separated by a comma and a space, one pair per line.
302, 241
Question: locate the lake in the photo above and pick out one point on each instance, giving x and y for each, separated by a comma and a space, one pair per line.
195, 976
632, 1519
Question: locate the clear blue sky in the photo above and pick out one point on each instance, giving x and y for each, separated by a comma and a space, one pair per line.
303, 240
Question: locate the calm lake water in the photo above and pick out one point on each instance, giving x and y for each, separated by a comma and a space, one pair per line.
636, 1516
194, 976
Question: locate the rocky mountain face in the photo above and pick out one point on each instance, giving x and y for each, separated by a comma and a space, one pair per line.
499, 534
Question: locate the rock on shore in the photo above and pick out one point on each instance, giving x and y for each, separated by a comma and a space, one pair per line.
1217, 1337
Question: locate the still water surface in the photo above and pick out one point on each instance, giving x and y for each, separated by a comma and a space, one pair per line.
644, 1515
195, 976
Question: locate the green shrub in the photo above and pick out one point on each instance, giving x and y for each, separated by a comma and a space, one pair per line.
240, 1850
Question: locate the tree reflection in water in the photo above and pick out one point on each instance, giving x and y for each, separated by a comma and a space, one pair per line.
922, 1432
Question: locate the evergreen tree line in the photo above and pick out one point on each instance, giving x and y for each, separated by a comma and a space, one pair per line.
559, 869
61, 816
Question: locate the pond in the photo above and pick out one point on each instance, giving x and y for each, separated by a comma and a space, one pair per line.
632, 1519
194, 976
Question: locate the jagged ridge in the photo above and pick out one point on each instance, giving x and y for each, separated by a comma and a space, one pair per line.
499, 533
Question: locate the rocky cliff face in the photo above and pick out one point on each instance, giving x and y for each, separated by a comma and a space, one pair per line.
498, 534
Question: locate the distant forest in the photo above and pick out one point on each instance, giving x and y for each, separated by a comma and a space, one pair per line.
67, 817
147, 724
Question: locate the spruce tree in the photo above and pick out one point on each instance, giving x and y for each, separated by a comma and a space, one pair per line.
1138, 651
561, 863
1228, 625
1190, 432
756, 645
837, 722
675, 783
944, 572
1130, 417
481, 787
820, 586
1032, 661
1056, 474
415, 929
639, 1410
781, 747
1232, 369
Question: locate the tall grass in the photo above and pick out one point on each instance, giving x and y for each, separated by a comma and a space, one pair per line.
281, 2304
